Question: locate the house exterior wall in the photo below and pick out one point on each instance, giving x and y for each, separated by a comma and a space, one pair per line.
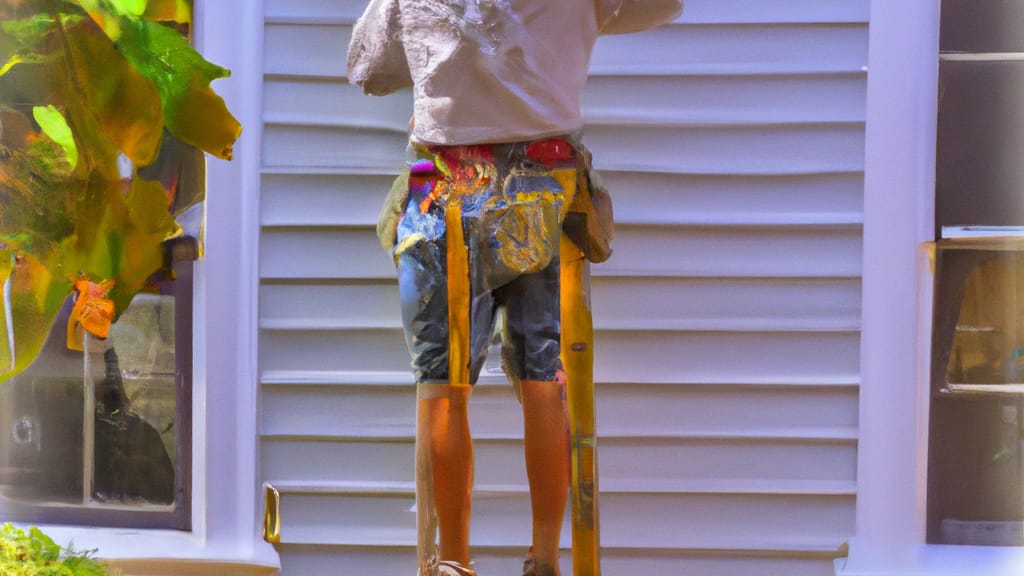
727, 343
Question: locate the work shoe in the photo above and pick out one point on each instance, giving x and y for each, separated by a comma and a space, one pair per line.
532, 568
448, 568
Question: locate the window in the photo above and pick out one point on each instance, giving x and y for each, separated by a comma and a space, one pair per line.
102, 436
975, 490
976, 429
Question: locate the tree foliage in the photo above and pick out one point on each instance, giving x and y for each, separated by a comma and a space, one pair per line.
89, 90
33, 553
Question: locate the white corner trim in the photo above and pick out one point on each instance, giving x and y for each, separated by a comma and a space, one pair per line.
898, 220
231, 34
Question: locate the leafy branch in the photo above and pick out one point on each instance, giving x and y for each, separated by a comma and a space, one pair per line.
91, 92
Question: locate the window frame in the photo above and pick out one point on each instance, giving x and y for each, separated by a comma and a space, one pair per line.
226, 510
899, 205
176, 515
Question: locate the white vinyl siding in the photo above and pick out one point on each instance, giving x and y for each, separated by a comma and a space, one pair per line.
727, 344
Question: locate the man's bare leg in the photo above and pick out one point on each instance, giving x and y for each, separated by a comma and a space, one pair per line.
426, 517
546, 424
444, 470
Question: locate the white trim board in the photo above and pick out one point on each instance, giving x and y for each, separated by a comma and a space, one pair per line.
897, 287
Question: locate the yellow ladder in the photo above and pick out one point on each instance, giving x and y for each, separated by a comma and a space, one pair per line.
577, 341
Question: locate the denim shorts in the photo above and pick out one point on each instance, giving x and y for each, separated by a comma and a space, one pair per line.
513, 198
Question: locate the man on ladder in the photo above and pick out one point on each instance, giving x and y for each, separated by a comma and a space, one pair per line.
497, 171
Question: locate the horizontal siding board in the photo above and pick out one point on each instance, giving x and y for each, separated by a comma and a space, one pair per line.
328, 9
697, 11
692, 521
776, 48
671, 357
353, 460
297, 200
324, 561
787, 149
624, 409
352, 411
639, 251
630, 462
311, 254
620, 303
674, 198
333, 102
348, 304
664, 100
735, 252
685, 521
492, 376
318, 200
718, 487
627, 302
723, 100
334, 148
773, 11
317, 50
664, 356
312, 50
357, 350
713, 410
627, 461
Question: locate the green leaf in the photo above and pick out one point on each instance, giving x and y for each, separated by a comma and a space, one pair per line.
192, 110
24, 40
35, 297
35, 182
28, 30
48, 549
56, 127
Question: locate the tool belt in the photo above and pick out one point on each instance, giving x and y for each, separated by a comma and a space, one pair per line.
588, 220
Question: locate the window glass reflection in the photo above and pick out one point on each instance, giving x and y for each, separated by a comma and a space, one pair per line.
976, 440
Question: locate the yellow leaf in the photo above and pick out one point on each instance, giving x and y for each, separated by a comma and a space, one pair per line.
169, 10
11, 62
108, 21
133, 8
125, 103
203, 120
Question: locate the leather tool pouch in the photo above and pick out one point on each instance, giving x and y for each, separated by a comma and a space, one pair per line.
590, 223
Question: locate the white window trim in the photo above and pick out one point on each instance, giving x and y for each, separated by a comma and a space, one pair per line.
899, 204
226, 507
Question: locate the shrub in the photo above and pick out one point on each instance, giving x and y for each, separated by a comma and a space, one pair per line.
36, 554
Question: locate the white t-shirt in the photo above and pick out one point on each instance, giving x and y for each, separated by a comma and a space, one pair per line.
501, 70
